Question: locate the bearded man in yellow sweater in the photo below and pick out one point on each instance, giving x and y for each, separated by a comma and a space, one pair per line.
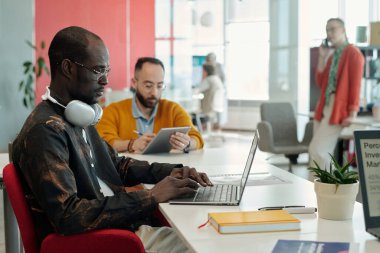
146, 113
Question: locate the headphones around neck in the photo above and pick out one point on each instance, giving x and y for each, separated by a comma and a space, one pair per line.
77, 112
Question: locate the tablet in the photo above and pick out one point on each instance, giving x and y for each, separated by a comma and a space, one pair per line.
160, 143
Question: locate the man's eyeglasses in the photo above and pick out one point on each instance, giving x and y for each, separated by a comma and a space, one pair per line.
150, 86
98, 71
333, 29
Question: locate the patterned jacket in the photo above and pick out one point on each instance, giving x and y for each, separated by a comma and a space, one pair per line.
60, 177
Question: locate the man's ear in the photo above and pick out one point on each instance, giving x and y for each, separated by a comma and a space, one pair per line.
67, 68
134, 83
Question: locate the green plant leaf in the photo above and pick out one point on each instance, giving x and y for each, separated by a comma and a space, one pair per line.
346, 167
28, 84
31, 45
40, 64
20, 85
27, 64
46, 68
32, 71
336, 174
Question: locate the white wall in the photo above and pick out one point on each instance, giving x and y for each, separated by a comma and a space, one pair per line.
16, 26
242, 117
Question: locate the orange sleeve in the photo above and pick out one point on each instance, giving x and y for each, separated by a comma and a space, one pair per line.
116, 123
185, 119
180, 117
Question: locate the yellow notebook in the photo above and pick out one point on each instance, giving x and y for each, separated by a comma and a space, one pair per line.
254, 221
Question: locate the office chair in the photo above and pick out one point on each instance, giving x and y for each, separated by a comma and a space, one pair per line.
278, 131
104, 240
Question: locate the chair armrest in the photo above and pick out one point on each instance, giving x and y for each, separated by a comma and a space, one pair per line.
266, 142
104, 240
308, 135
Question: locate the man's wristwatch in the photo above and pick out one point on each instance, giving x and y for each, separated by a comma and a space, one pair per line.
187, 148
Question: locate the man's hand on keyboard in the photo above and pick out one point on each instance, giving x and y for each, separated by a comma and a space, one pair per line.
171, 187
187, 172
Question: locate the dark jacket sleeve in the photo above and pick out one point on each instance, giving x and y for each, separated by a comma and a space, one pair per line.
67, 191
133, 172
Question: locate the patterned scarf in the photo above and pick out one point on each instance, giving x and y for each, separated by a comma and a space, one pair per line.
331, 86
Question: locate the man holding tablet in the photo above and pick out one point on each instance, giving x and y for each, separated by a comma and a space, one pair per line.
131, 124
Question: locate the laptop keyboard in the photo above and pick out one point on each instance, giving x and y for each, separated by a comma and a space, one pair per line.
217, 193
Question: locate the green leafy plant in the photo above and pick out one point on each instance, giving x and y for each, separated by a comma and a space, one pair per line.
32, 71
336, 174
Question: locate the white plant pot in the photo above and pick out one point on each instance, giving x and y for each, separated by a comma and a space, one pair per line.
336, 202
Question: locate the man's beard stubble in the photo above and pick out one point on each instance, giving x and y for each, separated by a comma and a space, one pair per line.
145, 102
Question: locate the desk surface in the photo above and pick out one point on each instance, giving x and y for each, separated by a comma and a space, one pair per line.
186, 219
231, 159
359, 123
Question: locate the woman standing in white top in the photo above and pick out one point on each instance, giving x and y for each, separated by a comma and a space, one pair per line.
213, 91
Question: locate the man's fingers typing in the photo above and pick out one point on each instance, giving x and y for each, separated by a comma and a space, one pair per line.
187, 182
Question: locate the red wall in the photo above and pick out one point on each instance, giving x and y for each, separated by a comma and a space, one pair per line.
142, 37
126, 27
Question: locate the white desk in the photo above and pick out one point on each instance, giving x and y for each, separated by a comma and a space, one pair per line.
360, 123
185, 219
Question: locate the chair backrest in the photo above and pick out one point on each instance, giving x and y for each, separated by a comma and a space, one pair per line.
283, 121
21, 208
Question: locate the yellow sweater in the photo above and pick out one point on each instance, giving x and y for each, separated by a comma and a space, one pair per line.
118, 123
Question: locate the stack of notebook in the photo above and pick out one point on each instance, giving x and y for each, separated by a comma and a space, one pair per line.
254, 221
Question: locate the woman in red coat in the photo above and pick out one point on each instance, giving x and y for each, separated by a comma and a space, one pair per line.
339, 74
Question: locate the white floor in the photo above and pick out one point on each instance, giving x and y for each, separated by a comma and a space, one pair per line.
228, 138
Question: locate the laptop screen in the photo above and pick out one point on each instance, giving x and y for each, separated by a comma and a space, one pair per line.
249, 162
367, 144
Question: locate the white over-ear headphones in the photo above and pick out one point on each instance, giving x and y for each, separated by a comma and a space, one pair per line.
77, 112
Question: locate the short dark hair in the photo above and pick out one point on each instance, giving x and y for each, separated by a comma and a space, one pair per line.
338, 20
210, 69
69, 43
140, 62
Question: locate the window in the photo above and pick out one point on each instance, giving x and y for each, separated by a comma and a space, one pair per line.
247, 49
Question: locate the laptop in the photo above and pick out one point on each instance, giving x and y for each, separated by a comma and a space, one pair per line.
367, 146
222, 194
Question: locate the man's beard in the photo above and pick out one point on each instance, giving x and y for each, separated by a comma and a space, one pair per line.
146, 102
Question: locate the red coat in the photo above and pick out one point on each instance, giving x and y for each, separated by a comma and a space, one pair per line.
347, 93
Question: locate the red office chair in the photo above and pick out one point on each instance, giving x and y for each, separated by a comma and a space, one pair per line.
104, 240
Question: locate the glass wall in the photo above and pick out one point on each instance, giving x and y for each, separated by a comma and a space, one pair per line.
173, 47
264, 45
247, 49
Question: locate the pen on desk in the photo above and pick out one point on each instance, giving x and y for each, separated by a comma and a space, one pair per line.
278, 207
296, 210
137, 132
291, 209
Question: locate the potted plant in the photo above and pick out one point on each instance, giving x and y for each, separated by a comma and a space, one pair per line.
32, 71
336, 190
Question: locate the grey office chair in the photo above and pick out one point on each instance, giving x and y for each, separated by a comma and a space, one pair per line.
278, 131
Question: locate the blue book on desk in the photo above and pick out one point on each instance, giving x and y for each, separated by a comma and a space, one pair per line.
291, 246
